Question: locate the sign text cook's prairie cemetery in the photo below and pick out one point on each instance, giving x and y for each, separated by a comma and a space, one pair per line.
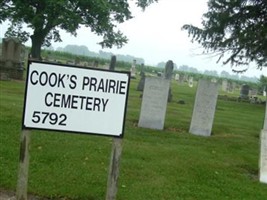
83, 100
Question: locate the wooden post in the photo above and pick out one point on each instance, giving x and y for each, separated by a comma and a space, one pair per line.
112, 185
113, 175
22, 183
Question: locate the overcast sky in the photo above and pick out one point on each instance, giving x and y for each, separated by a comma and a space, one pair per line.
155, 35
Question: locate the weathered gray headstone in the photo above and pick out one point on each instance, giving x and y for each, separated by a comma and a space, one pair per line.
204, 108
112, 63
168, 75
133, 69
168, 70
253, 92
224, 85
263, 157
12, 56
141, 83
244, 92
154, 103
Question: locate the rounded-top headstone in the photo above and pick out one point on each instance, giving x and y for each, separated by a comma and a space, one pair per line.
168, 70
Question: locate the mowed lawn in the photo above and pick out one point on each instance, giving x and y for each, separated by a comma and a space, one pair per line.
156, 165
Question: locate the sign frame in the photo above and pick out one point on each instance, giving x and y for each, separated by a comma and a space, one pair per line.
88, 70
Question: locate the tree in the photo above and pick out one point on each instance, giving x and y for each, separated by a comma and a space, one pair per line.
46, 17
235, 29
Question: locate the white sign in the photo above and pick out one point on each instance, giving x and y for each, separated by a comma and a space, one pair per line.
72, 99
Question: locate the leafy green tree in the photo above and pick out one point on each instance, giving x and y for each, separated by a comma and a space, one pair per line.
46, 17
236, 30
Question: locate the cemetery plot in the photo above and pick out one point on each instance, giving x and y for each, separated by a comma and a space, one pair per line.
75, 99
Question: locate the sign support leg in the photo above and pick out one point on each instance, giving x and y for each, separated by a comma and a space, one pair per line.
112, 184
22, 182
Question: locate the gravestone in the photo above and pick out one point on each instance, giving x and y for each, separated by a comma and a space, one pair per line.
154, 103
168, 70
204, 108
12, 57
181, 78
112, 63
253, 92
263, 157
230, 88
177, 77
191, 81
141, 84
168, 76
133, 70
224, 85
95, 64
244, 91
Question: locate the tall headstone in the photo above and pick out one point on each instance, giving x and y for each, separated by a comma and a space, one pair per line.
263, 157
224, 85
154, 103
133, 69
12, 55
168, 70
168, 76
204, 108
141, 84
230, 88
112, 63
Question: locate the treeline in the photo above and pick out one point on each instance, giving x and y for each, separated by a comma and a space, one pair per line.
61, 56
82, 50
214, 73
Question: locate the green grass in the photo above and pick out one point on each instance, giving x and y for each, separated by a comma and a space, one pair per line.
159, 165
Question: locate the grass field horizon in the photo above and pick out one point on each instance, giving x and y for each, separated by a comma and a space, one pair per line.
168, 164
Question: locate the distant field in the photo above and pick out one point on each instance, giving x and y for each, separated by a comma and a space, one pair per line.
159, 165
